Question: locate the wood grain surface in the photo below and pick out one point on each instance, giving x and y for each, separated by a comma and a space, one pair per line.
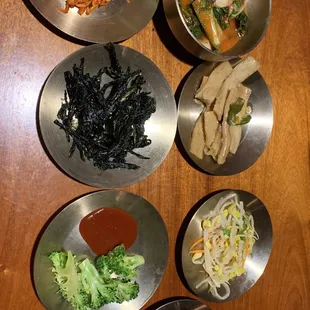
32, 188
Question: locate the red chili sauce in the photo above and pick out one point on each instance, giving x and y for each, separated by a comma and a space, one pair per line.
105, 228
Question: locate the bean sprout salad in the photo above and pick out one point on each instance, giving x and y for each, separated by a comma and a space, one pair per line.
228, 236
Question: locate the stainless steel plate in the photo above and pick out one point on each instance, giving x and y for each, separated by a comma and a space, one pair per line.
255, 264
115, 22
63, 233
255, 135
160, 128
184, 304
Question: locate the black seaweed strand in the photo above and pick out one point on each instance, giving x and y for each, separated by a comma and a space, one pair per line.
105, 124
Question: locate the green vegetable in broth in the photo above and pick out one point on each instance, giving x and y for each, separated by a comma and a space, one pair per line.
237, 7
206, 4
218, 25
222, 16
192, 22
242, 23
209, 23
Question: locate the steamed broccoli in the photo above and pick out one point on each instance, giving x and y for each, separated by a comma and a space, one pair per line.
104, 292
125, 291
119, 263
87, 288
133, 261
67, 278
59, 259
107, 264
101, 293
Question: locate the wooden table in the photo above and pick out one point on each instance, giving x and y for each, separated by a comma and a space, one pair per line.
32, 188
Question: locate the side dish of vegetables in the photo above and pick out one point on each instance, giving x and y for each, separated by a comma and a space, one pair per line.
225, 100
228, 237
217, 24
89, 285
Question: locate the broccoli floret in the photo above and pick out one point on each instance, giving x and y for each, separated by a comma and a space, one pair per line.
68, 280
126, 291
107, 264
128, 266
119, 263
87, 288
101, 293
133, 261
59, 259
102, 267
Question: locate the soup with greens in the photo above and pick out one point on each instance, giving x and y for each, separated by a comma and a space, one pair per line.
217, 24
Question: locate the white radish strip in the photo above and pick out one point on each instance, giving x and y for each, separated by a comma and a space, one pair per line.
223, 3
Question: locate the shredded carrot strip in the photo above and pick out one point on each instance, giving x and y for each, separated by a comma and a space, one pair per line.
65, 9
89, 5
81, 11
82, 5
89, 10
196, 242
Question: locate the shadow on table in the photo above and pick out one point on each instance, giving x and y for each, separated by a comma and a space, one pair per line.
169, 40
181, 235
51, 27
165, 301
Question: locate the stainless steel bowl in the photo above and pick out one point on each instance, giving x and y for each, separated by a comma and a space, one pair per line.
160, 128
255, 135
62, 232
115, 22
259, 13
255, 263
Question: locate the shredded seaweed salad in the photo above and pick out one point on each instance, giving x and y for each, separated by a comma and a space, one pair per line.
106, 123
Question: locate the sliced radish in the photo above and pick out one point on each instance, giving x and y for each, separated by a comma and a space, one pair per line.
222, 3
